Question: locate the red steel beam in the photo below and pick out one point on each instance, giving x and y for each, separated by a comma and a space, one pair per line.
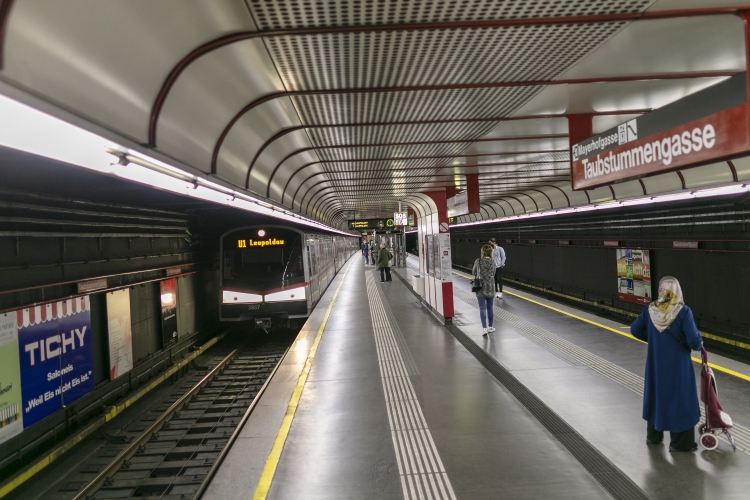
296, 128
384, 189
283, 193
223, 41
415, 143
5, 8
397, 158
526, 83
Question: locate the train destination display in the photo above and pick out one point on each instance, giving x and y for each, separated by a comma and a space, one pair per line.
367, 224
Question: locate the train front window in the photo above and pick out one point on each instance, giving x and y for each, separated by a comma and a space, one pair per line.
259, 260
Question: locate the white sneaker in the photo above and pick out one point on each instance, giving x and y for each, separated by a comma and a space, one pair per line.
485, 331
490, 329
499, 295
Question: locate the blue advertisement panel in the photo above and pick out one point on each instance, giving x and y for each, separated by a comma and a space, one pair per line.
54, 344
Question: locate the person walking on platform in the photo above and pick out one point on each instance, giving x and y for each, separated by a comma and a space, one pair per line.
366, 253
484, 269
498, 255
670, 400
384, 257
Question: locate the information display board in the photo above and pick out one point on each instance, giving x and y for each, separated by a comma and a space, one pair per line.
446, 265
11, 417
634, 275
120, 333
400, 218
367, 224
56, 359
458, 205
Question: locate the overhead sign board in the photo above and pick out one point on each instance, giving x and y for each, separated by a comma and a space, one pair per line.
367, 224
458, 205
703, 127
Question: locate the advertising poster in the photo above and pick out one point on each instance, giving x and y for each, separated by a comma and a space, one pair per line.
54, 346
430, 255
634, 275
446, 265
11, 418
168, 290
120, 333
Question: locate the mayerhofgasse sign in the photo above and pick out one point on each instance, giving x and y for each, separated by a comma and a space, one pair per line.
705, 126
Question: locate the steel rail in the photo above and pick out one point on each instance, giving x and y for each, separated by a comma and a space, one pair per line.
225, 451
72, 282
136, 444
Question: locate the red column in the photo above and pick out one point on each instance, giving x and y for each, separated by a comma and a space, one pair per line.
444, 230
580, 128
450, 191
472, 188
745, 16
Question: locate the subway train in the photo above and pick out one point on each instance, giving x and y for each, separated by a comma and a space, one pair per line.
273, 276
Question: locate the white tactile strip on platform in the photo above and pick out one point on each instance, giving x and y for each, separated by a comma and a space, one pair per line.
610, 370
422, 473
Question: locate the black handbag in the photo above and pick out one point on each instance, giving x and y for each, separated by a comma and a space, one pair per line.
476, 283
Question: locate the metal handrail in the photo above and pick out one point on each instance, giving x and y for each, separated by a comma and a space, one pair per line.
134, 446
225, 451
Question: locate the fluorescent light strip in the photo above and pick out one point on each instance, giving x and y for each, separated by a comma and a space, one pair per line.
27, 129
700, 193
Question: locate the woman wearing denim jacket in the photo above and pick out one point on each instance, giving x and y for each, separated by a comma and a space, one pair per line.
484, 269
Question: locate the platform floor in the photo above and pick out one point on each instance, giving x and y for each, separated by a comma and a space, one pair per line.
395, 406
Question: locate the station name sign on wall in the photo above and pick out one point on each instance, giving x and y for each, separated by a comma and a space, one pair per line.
705, 126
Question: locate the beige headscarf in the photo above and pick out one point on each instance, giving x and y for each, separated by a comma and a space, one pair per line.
668, 304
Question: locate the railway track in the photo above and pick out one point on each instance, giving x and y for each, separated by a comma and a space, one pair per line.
170, 455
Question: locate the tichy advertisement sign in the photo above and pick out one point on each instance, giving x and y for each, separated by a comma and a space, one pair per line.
11, 416
168, 290
54, 347
634, 275
120, 333
698, 129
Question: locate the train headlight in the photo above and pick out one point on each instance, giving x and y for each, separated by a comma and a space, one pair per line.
288, 295
230, 297
261, 233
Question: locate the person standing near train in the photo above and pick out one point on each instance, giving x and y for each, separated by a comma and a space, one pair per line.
498, 255
366, 253
384, 263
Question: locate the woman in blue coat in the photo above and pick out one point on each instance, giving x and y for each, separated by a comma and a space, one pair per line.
670, 396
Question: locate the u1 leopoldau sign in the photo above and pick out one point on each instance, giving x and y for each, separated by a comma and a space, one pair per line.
706, 126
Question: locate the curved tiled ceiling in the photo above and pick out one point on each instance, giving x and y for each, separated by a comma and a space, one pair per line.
331, 108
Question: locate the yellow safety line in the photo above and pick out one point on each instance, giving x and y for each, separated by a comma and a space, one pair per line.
269, 470
57, 452
618, 332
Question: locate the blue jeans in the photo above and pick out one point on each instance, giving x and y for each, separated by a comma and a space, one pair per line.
485, 310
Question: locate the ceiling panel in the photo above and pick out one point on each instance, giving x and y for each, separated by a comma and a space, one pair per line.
287, 14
